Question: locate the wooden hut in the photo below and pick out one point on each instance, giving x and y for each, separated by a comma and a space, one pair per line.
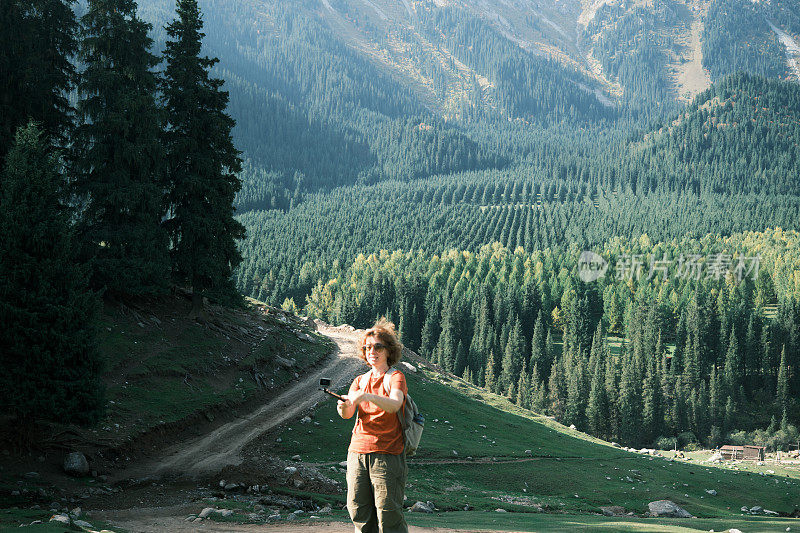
742, 453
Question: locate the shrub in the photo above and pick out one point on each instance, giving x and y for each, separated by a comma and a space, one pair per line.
666, 443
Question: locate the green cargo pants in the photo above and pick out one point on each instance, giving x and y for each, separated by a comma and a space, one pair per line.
376, 483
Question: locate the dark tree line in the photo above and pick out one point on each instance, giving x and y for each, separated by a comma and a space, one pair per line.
124, 195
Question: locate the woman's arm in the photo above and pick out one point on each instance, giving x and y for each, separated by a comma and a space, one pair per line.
392, 404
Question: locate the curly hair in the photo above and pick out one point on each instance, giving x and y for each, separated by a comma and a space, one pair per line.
385, 331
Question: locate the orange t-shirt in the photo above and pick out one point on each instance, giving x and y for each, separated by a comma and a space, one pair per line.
377, 431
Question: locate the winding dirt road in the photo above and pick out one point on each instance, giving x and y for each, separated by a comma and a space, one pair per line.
210, 453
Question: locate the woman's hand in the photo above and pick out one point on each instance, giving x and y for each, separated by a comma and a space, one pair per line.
346, 408
356, 398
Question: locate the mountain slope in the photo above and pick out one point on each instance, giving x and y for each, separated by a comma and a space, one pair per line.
740, 136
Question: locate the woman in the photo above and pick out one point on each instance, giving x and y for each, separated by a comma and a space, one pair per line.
376, 462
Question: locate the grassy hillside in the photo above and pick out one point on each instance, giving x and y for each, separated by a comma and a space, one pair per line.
479, 450
162, 367
167, 376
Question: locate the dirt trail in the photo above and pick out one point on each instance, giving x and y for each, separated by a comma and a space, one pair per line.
158, 520
210, 453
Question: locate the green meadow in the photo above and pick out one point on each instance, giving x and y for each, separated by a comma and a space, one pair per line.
482, 453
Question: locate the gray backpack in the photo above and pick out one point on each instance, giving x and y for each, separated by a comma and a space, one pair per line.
411, 420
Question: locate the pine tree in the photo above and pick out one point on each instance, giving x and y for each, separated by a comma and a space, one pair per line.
730, 415
751, 355
557, 390
630, 406
782, 392
513, 357
47, 313
652, 413
460, 359
767, 364
523, 398
448, 340
202, 164
597, 411
490, 379
538, 347
538, 392
118, 151
733, 367
612, 393
715, 406
577, 393
37, 42
482, 337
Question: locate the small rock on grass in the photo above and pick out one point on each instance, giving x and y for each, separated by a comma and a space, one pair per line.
421, 507
667, 509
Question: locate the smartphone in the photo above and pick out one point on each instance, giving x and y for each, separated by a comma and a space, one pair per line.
324, 383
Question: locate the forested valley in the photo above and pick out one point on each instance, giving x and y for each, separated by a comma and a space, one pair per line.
453, 188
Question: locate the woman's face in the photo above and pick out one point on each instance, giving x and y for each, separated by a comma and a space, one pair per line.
375, 351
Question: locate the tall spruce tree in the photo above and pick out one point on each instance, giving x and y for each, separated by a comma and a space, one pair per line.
202, 164
118, 149
782, 392
47, 313
513, 359
37, 42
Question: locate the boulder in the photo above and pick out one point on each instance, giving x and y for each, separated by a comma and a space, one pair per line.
408, 366
711, 492
613, 510
206, 512
61, 518
75, 464
421, 507
667, 509
756, 509
716, 458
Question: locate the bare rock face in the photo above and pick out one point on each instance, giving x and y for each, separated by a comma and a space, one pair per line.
76, 465
667, 509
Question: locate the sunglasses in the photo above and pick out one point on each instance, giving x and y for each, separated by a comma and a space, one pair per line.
378, 347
